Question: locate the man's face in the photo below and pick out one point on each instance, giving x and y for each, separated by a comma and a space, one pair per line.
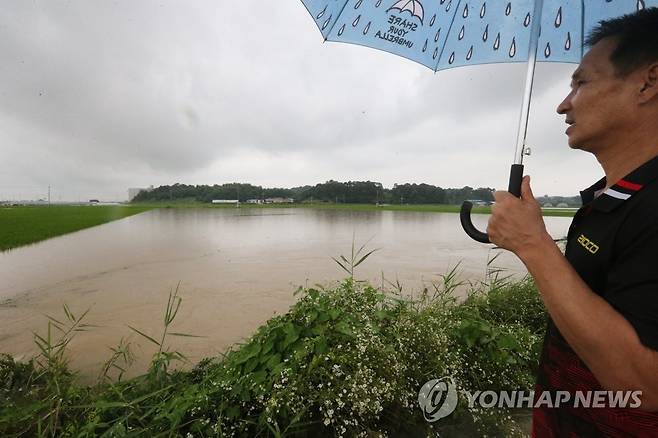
599, 107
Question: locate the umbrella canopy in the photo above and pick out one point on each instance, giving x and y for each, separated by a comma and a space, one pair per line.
442, 34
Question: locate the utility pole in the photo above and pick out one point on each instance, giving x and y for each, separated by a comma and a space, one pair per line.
48, 195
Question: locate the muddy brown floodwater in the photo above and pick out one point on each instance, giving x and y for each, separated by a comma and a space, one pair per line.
236, 269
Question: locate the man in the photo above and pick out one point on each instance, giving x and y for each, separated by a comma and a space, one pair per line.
602, 295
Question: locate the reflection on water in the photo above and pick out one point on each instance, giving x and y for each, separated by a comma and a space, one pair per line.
236, 267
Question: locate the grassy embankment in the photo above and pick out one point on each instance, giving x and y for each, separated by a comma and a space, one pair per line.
430, 208
29, 224
346, 360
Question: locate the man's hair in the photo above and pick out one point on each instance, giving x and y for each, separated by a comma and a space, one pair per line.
637, 39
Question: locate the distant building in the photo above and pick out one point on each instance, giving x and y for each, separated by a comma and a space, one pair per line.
279, 200
225, 201
254, 201
132, 192
479, 202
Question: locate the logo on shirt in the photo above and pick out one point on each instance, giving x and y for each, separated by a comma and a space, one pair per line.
588, 244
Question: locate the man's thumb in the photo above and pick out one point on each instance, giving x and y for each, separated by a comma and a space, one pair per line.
526, 191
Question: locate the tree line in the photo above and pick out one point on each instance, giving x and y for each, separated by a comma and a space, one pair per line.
351, 192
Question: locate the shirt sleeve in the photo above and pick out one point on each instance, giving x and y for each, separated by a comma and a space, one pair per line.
632, 283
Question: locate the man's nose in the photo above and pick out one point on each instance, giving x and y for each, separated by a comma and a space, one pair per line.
565, 105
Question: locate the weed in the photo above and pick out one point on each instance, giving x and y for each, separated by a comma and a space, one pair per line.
356, 258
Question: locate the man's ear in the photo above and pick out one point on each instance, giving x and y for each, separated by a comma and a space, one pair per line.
649, 90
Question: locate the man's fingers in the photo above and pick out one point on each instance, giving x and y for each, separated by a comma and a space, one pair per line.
499, 195
526, 191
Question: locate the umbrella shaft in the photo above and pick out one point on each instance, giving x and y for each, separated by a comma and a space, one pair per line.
530, 74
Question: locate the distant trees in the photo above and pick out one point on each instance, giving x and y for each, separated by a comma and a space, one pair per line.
418, 194
350, 192
429, 194
205, 193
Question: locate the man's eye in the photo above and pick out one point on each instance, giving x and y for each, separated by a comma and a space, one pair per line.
576, 84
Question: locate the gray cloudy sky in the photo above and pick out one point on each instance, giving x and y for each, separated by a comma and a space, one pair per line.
99, 96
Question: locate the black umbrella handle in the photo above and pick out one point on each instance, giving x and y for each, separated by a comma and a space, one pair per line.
515, 178
467, 224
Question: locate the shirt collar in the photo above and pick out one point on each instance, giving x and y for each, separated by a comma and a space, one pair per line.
622, 190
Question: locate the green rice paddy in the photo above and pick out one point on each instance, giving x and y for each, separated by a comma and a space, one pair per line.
23, 225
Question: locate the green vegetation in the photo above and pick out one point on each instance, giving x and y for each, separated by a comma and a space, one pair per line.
352, 195
29, 224
351, 192
346, 360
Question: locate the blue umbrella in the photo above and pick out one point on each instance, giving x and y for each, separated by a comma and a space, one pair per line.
442, 34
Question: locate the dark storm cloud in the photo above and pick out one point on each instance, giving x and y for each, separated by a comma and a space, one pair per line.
99, 96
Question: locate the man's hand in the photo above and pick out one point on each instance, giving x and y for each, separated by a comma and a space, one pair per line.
600, 335
516, 224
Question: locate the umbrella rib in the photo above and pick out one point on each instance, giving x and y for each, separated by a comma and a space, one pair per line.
530, 75
454, 15
336, 20
582, 28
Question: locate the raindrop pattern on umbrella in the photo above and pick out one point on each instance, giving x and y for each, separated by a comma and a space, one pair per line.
443, 34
